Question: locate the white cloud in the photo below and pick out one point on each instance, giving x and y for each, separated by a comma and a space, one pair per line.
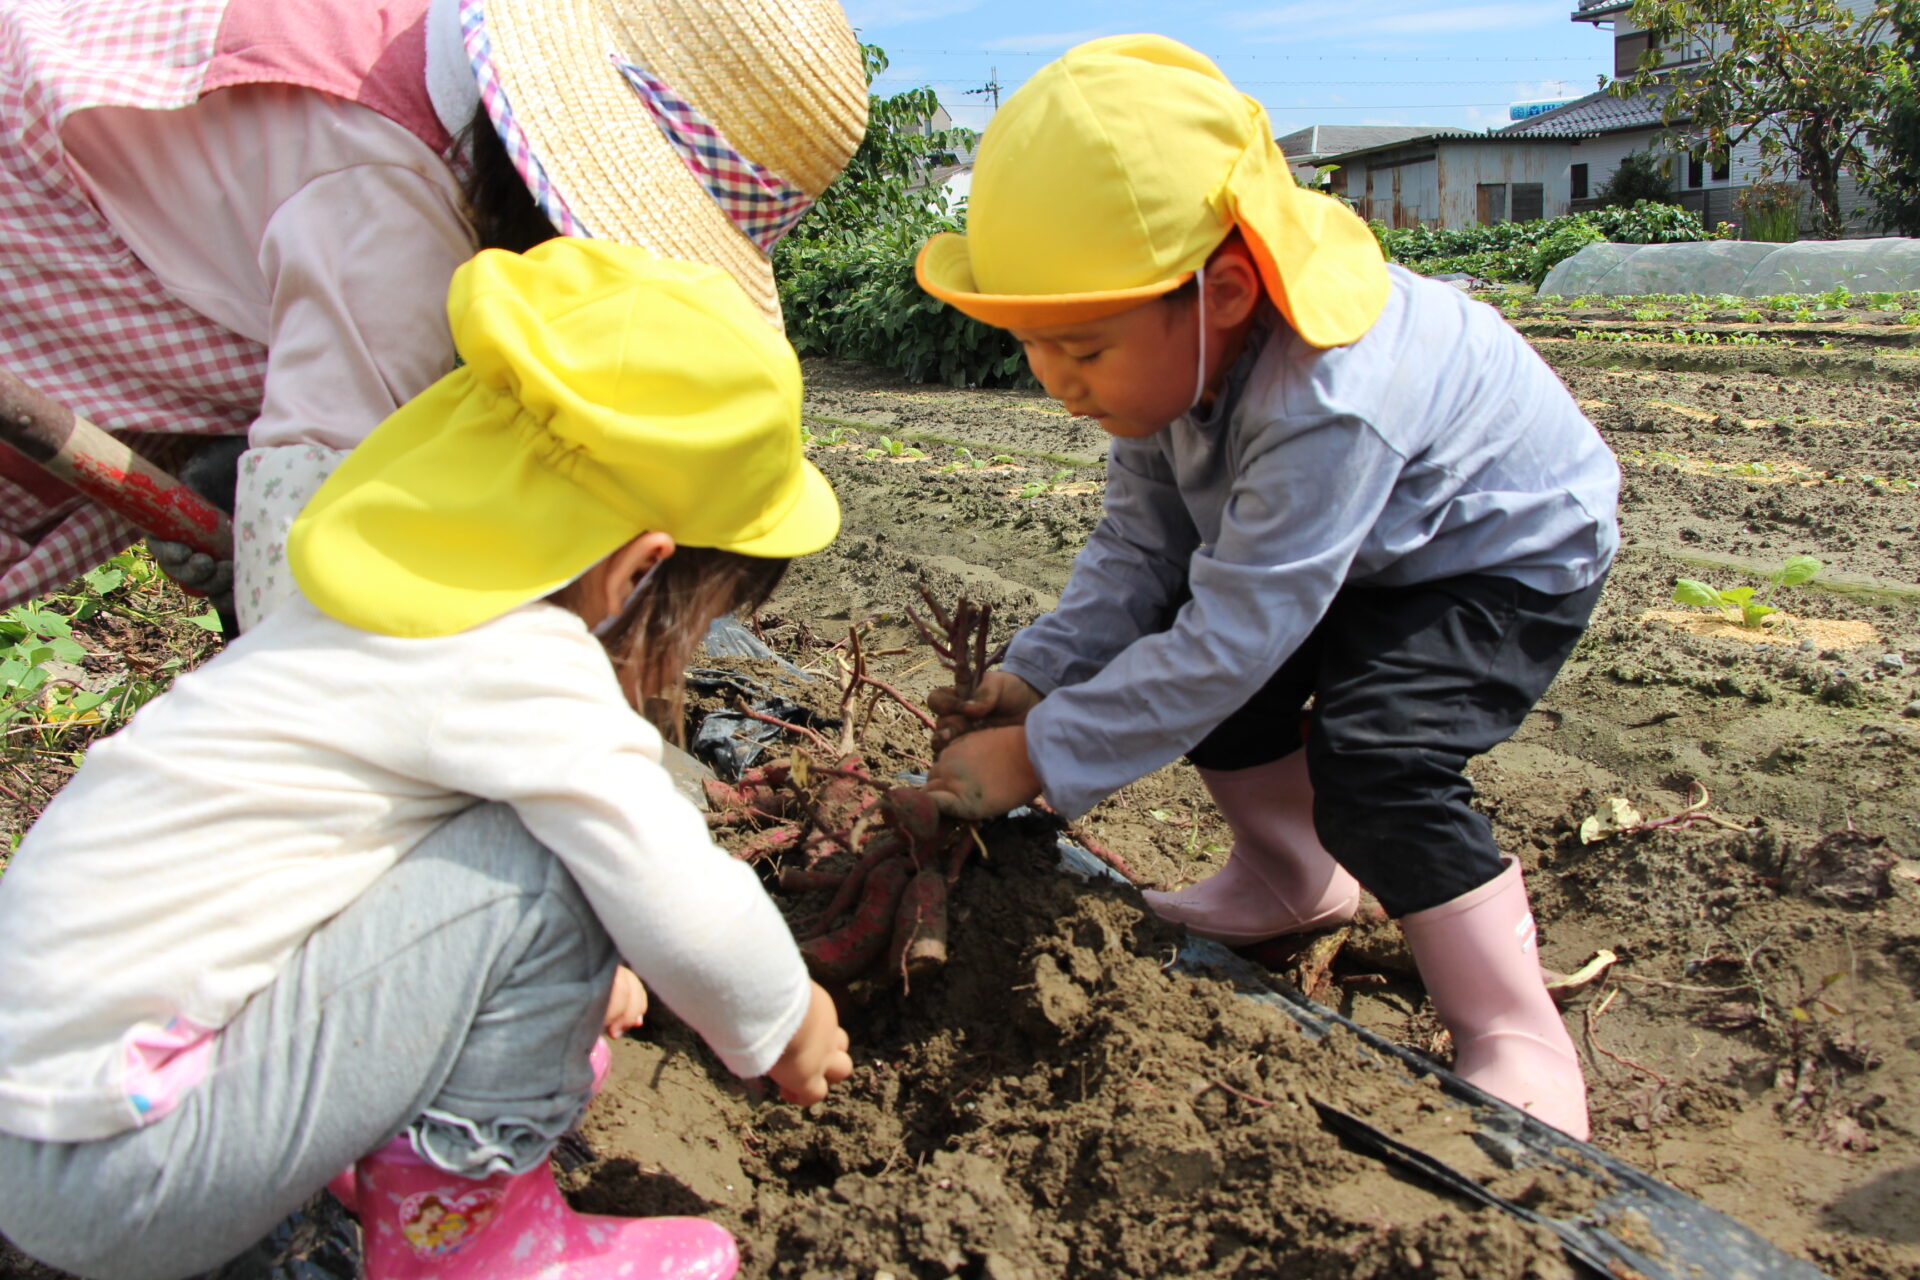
1320, 17
866, 15
1049, 43
1483, 17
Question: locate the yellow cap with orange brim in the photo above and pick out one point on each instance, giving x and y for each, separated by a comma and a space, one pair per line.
1114, 173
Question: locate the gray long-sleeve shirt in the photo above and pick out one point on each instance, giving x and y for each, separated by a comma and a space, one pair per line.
1438, 444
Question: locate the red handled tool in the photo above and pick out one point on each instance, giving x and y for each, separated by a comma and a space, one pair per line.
44, 439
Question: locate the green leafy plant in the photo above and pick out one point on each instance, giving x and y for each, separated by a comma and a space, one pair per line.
42, 703
1738, 603
1770, 211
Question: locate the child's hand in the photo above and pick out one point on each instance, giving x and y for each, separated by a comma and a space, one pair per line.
984, 774
627, 1006
1002, 699
816, 1056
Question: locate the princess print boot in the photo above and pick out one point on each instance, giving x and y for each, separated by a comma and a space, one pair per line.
600, 1058
419, 1222
1278, 877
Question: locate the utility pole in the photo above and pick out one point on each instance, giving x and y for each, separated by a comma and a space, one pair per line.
991, 88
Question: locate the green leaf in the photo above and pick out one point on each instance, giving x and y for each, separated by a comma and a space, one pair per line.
1751, 614
104, 579
1798, 569
208, 621
1736, 596
1698, 594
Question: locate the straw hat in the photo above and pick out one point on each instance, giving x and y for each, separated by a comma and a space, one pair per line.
637, 120
1115, 172
604, 393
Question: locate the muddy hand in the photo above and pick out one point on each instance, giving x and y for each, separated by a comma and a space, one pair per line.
984, 774
1002, 699
817, 1055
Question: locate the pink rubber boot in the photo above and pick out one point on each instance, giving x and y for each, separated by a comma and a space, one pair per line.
1278, 878
419, 1222
1476, 955
600, 1058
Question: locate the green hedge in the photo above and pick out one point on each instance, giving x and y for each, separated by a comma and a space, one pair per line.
1526, 251
855, 299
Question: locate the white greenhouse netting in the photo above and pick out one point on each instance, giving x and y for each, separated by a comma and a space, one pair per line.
1739, 267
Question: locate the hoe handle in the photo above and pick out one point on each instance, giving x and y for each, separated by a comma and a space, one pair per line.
48, 436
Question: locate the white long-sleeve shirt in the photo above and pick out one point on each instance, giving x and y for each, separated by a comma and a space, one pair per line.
1437, 445
197, 849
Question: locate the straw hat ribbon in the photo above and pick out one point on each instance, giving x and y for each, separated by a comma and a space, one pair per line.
605, 392
1114, 173
741, 113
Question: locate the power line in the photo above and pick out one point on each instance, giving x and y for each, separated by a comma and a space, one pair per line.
1219, 57
1464, 84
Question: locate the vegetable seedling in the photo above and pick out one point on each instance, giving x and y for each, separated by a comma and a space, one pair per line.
1738, 603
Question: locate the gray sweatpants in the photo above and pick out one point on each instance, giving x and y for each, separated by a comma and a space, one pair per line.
459, 998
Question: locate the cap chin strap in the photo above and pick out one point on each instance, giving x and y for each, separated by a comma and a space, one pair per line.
1200, 373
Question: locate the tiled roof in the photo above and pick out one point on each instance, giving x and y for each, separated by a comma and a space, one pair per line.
1599, 112
1316, 142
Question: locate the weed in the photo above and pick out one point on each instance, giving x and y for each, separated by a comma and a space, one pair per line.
41, 701
1738, 603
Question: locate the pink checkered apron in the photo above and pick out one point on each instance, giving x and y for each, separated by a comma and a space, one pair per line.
80, 318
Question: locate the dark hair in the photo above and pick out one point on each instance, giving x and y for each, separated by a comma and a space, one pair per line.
503, 212
655, 636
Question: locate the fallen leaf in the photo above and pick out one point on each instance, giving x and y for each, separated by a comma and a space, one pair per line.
1615, 816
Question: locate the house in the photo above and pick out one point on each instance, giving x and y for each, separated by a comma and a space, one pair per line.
957, 177
1309, 148
1601, 130
1455, 178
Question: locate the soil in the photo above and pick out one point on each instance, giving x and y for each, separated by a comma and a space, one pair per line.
1060, 1101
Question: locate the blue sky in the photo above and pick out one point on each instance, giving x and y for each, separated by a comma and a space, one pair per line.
1446, 62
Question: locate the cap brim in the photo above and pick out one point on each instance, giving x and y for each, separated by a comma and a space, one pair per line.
442, 518
811, 523
945, 270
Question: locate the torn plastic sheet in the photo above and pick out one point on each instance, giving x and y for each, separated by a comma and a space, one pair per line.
1689, 1239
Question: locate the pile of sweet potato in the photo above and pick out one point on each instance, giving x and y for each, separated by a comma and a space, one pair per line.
887, 918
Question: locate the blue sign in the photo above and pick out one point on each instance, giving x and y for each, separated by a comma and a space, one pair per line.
1523, 110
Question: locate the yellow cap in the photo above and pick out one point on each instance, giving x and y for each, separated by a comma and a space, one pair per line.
1114, 173
606, 393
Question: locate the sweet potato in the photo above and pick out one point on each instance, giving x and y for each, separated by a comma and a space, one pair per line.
920, 926
842, 954
772, 840
805, 880
882, 847
914, 814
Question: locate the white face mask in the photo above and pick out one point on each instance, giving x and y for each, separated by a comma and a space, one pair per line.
1200, 373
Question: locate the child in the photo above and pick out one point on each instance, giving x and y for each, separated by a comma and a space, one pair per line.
1330, 479
268, 930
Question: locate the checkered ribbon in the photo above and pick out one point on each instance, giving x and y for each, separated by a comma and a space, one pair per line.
473, 33
757, 200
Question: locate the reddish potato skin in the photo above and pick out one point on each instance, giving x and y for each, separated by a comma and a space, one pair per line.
914, 814
920, 926
842, 954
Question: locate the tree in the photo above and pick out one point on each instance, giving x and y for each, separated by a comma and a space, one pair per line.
1896, 189
1805, 78
1642, 175
889, 181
